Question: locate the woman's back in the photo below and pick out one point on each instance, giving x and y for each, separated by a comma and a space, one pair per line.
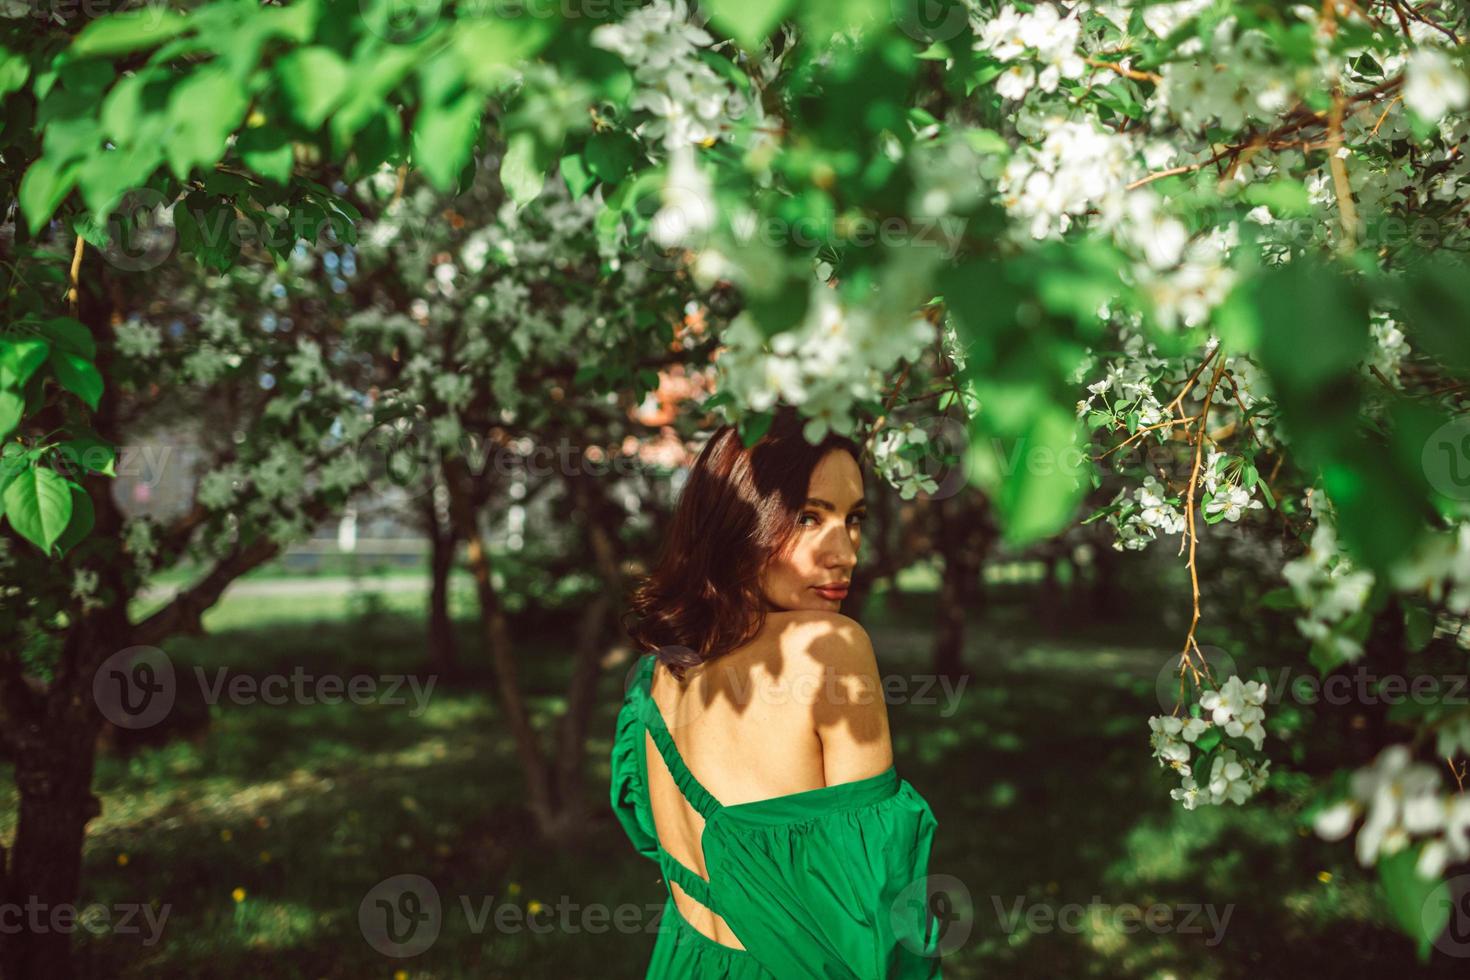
797, 708
788, 842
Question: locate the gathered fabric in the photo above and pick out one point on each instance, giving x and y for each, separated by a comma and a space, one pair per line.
827, 883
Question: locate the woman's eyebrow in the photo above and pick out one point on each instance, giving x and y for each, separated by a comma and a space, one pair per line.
828, 505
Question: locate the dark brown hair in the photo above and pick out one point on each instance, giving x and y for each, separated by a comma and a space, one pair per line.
738, 509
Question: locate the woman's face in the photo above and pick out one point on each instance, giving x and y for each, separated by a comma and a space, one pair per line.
828, 533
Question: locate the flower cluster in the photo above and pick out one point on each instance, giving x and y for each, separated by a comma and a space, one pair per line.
1042, 37
1401, 800
898, 465
1076, 166
1150, 512
1328, 586
688, 101
1226, 498
1235, 710
833, 358
1236, 707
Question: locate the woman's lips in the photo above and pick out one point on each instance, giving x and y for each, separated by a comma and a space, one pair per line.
836, 592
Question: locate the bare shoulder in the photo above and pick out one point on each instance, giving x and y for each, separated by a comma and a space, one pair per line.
835, 672
822, 642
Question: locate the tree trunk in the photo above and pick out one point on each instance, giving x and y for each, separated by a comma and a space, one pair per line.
958, 597
587, 666
54, 732
442, 544
495, 634
53, 773
573, 811
964, 539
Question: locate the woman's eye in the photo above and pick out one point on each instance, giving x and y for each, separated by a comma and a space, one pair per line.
856, 518
802, 519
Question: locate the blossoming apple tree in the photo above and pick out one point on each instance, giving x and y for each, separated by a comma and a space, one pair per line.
1190, 268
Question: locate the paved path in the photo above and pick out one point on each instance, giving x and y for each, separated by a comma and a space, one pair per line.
333, 585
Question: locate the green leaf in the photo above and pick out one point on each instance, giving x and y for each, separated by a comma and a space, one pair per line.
489, 48
1208, 739
748, 21
43, 188
1033, 473
13, 72
443, 138
518, 171
83, 517
107, 175
203, 110
314, 81
1201, 766
1420, 906
38, 505
12, 410
610, 156
78, 376
69, 335
128, 30
1418, 627
204, 231
19, 360
1280, 599
1266, 492
754, 425
1435, 302
86, 453
267, 151
1285, 198
574, 171
1307, 306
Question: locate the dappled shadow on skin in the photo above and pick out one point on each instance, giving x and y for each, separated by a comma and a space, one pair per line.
761, 723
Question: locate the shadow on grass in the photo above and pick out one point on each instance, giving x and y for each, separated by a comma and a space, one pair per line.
262, 839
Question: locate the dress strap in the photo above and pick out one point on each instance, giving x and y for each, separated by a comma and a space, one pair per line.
688, 879
699, 797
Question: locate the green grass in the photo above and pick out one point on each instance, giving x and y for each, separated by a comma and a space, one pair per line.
262, 837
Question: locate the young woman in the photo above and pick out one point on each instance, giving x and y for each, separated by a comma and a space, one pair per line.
752, 757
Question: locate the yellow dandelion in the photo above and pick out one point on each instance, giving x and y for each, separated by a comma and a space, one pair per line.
238, 895
534, 906
514, 888
400, 975
122, 860
1324, 876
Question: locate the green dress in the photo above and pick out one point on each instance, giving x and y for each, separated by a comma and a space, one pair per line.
827, 883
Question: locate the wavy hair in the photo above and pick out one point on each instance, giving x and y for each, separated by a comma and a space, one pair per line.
738, 510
